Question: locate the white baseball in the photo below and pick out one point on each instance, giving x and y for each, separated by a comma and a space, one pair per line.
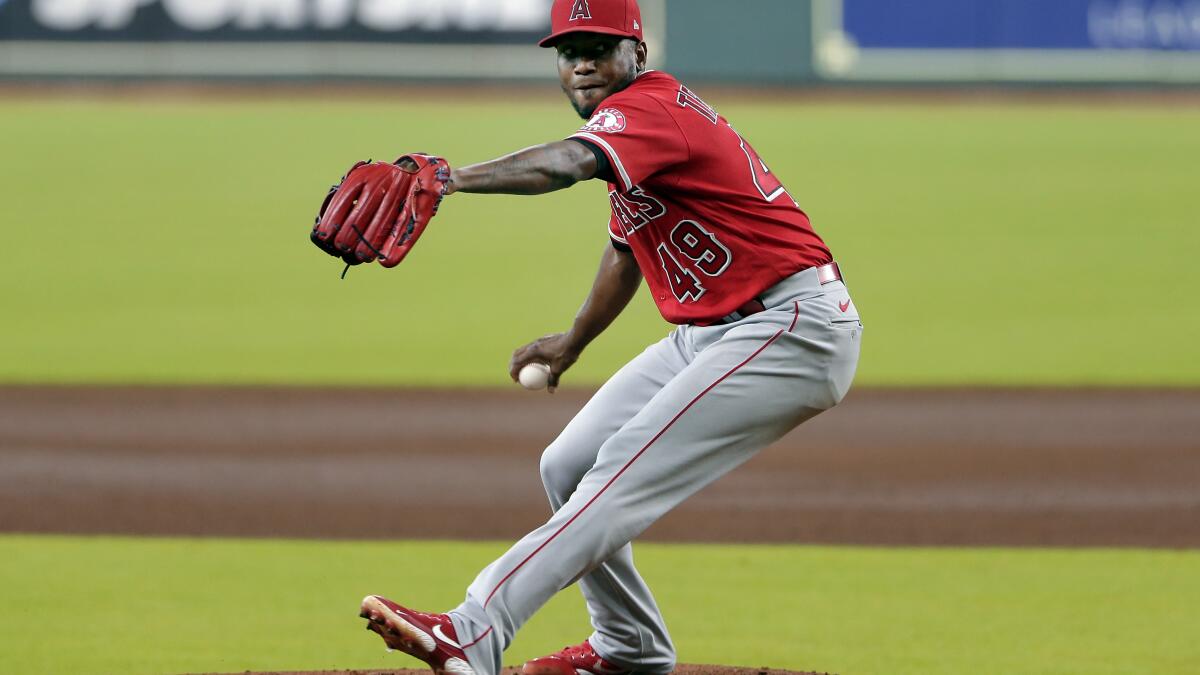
534, 375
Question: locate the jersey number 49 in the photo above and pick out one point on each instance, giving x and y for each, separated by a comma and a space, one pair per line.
702, 249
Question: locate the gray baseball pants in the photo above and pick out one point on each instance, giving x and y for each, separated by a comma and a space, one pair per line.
686, 411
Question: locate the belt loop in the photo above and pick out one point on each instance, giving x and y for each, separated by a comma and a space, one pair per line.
829, 273
752, 306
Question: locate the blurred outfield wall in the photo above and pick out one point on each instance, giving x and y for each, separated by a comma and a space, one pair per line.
786, 42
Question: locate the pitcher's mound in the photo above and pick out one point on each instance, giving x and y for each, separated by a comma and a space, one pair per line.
682, 669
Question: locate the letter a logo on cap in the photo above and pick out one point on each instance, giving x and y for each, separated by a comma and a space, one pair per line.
580, 10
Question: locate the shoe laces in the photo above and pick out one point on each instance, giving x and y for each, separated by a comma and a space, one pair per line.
583, 650
428, 617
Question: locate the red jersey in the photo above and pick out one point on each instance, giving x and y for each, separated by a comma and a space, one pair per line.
710, 226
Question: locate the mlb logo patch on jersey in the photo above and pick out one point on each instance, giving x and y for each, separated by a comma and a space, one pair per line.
608, 120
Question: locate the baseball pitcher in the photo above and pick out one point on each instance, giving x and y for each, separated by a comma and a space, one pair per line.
766, 337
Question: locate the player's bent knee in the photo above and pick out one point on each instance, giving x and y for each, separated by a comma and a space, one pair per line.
560, 475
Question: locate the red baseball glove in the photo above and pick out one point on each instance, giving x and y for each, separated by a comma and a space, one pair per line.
378, 210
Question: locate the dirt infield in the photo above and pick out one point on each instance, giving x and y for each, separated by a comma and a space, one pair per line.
890, 467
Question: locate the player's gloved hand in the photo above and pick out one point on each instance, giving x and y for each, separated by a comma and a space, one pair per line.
554, 350
379, 210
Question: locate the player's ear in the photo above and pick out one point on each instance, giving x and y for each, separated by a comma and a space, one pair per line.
641, 51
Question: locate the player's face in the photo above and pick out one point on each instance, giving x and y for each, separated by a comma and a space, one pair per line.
592, 67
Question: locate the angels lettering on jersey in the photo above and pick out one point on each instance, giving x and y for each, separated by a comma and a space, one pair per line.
708, 222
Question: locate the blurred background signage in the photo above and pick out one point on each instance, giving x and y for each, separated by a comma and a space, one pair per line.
512, 21
305, 39
1023, 40
756, 41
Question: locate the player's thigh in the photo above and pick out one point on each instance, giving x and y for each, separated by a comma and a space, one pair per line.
744, 390
574, 452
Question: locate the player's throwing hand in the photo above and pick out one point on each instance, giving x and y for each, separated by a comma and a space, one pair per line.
554, 350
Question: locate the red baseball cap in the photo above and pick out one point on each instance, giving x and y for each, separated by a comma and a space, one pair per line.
609, 17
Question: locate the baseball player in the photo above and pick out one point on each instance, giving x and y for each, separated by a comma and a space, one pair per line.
766, 338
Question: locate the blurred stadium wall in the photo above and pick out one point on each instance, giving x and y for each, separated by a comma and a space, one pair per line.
787, 42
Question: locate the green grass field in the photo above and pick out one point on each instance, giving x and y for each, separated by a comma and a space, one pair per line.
101, 605
160, 241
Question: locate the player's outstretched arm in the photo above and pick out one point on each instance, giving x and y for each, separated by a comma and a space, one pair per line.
532, 171
616, 281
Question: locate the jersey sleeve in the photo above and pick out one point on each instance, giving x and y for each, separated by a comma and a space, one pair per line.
604, 169
639, 137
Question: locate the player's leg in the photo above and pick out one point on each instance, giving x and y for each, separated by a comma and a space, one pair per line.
620, 604
749, 385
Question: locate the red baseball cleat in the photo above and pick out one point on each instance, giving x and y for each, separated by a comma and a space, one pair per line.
429, 637
580, 659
